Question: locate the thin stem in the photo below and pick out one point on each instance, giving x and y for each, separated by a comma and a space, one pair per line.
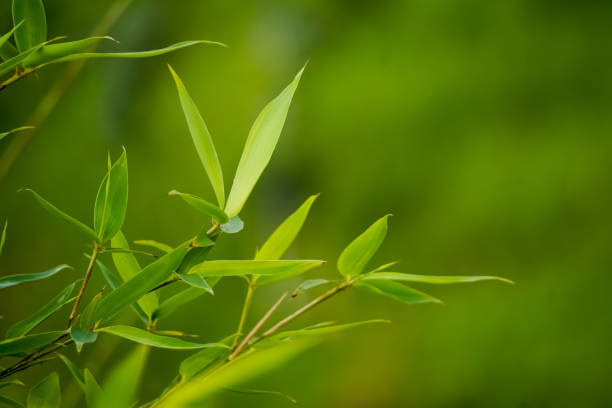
28, 360
92, 260
261, 322
245, 311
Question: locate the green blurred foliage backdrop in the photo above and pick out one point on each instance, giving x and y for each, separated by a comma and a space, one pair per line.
483, 126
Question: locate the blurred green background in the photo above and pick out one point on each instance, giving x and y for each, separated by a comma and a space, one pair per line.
484, 127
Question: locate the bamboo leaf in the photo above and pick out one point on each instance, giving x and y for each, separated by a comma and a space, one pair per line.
433, 279
309, 284
13, 62
19, 129
358, 253
128, 267
34, 28
10, 402
177, 300
154, 244
233, 226
132, 290
26, 325
7, 50
111, 201
11, 382
397, 291
93, 391
197, 281
26, 343
263, 392
205, 359
114, 280
202, 140
3, 237
154, 340
12, 280
259, 147
285, 234
87, 320
47, 53
202, 206
275, 270
82, 336
56, 212
318, 331
46, 394
78, 377
121, 386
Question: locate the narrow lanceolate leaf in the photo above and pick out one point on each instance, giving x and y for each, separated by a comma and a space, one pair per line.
10, 402
45, 394
358, 253
10, 64
128, 267
56, 212
93, 391
3, 237
280, 268
76, 374
111, 202
205, 359
397, 291
87, 320
201, 139
50, 52
114, 281
12, 280
26, 325
259, 147
82, 336
196, 281
285, 234
11, 382
170, 305
138, 54
19, 129
433, 279
26, 343
135, 288
263, 392
144, 337
203, 206
309, 284
318, 331
34, 28
8, 50
121, 386
154, 244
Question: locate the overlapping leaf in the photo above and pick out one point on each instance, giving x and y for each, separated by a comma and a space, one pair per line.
358, 253
12, 280
144, 337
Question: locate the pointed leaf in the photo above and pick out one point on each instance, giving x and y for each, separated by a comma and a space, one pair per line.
11, 382
82, 336
10, 402
196, 281
205, 359
397, 291
3, 237
285, 234
47, 53
7, 50
263, 392
93, 391
177, 300
34, 28
63, 216
317, 331
19, 129
111, 202
154, 244
309, 284
121, 386
233, 226
26, 343
201, 139
385, 266
114, 280
46, 394
12, 280
26, 325
433, 279
78, 377
259, 147
279, 269
202, 205
358, 253
154, 340
87, 320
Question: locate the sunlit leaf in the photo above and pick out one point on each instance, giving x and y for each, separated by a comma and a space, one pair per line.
82, 336
385, 266
56, 212
259, 147
197, 281
154, 244
276, 270
144, 337
327, 329
87, 319
309, 284
128, 267
285, 234
34, 28
433, 279
130, 291
397, 291
46, 394
50, 52
233, 226
114, 280
111, 201
24, 326
202, 205
12, 63
12, 280
121, 386
202, 140
358, 253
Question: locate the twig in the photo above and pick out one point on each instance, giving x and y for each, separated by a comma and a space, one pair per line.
245, 311
92, 260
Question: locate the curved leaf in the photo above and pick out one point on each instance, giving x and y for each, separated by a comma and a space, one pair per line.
10, 402
202, 206
201, 139
154, 244
196, 281
93, 391
358, 253
259, 147
434, 279
397, 291
278, 269
26, 343
114, 280
46, 394
12, 280
48, 53
205, 359
19, 129
7, 50
3, 237
154, 340
121, 386
111, 201
34, 28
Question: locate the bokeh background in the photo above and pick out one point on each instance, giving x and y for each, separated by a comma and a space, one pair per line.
483, 126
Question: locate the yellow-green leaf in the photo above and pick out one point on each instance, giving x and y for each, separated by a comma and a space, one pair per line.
278, 269
12, 280
47, 53
19, 129
46, 394
111, 201
397, 291
144, 337
202, 206
358, 253
121, 386
433, 279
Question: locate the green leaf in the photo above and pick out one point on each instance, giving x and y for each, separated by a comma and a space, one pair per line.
202, 140
11, 382
87, 320
277, 270
46, 394
82, 336
7, 50
358, 253
128, 267
11, 63
154, 340
10, 402
397, 291
3, 237
130, 291
154, 244
56, 212
138, 54
121, 386
263, 392
26, 325
385, 266
259, 147
19, 129
12, 280
233, 226
111, 202
48, 53
34, 28
197, 281
434, 279
93, 391
114, 281
194, 257
26, 343
177, 300
317, 331
285, 234
203, 206
309, 284
78, 377
205, 359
